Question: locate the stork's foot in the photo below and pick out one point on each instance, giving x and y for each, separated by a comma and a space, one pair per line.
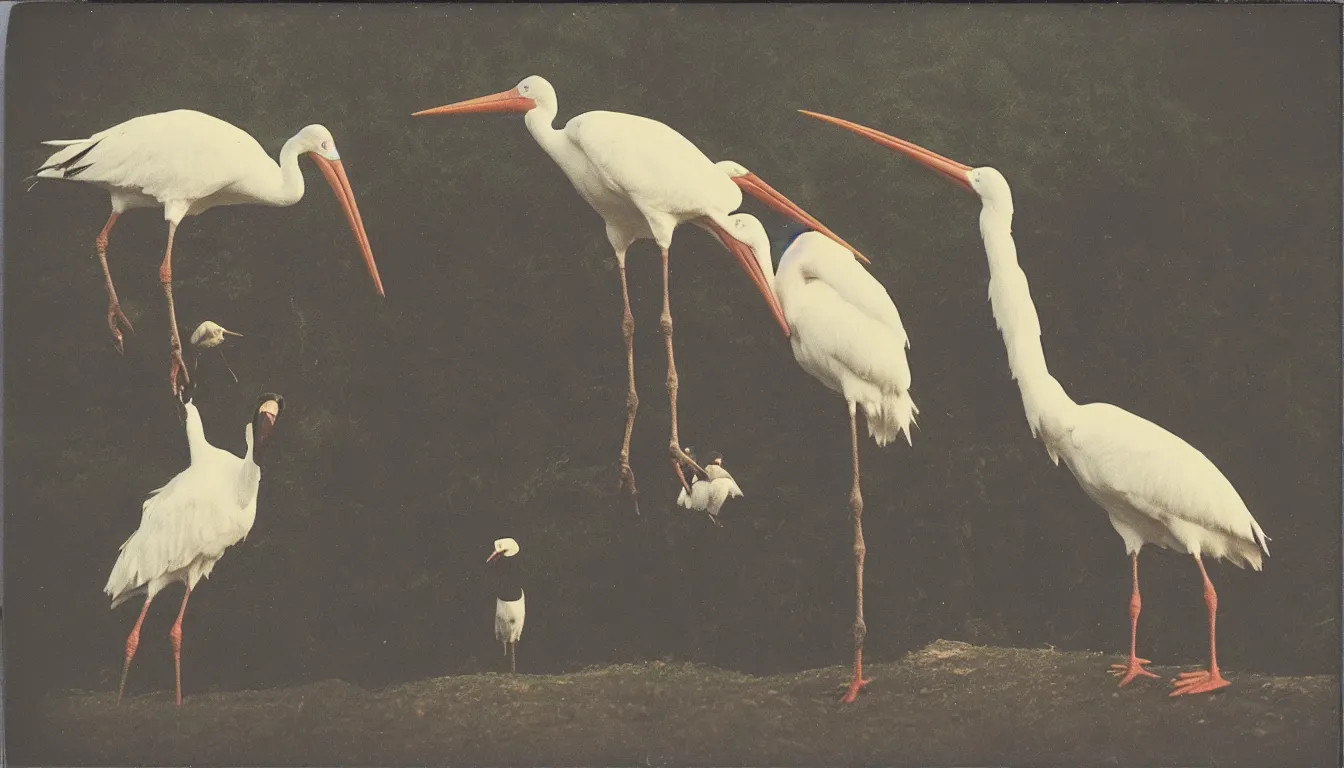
628, 484
852, 692
1202, 681
115, 319
1127, 672
177, 373
680, 457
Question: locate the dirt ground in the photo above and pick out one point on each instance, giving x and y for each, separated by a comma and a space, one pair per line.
947, 704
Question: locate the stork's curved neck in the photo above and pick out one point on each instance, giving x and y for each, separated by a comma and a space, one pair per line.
284, 187
540, 123
1049, 409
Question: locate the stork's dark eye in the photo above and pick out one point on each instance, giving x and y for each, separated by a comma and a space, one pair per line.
324, 145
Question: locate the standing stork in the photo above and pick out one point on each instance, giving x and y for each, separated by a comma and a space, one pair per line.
186, 525
510, 603
188, 162
644, 179
846, 333
1155, 487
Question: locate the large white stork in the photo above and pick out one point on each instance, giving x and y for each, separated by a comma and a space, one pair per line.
186, 525
848, 335
644, 179
188, 162
1156, 488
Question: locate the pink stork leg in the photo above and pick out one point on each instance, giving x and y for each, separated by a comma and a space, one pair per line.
175, 634
166, 278
631, 396
856, 507
114, 313
132, 642
665, 322
1210, 679
1127, 672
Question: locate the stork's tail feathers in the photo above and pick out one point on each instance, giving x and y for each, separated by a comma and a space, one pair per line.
892, 416
64, 164
684, 499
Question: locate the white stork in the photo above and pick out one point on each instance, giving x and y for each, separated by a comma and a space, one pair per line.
186, 525
188, 162
1156, 488
709, 490
644, 179
510, 603
848, 335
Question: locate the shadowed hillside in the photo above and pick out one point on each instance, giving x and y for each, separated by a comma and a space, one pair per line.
949, 703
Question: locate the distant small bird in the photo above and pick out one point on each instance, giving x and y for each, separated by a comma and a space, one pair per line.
510, 607
210, 335
709, 490
186, 525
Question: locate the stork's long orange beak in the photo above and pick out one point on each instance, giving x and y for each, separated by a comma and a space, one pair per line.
334, 172
767, 194
953, 171
504, 101
492, 557
746, 259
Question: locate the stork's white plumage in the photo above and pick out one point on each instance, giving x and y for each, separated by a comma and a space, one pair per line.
186, 525
510, 601
644, 179
188, 162
847, 333
709, 492
1156, 488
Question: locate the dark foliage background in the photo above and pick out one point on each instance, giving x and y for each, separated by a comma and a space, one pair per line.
1176, 174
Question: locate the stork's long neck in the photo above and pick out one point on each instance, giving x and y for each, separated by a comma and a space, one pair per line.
285, 186
1049, 409
553, 141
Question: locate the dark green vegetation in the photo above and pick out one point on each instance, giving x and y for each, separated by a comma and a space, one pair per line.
1176, 176
949, 703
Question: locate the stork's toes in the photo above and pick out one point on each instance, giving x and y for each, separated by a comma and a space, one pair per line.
1127, 672
852, 692
178, 371
1202, 681
115, 319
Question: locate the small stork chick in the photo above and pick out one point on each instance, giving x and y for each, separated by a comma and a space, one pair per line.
710, 489
510, 607
186, 525
210, 335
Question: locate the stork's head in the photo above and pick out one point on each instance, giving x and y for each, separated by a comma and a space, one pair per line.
749, 231
316, 142
264, 417
715, 458
530, 93
986, 182
504, 547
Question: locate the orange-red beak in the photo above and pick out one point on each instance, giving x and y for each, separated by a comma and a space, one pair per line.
504, 101
746, 259
268, 412
770, 196
950, 169
492, 557
334, 171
